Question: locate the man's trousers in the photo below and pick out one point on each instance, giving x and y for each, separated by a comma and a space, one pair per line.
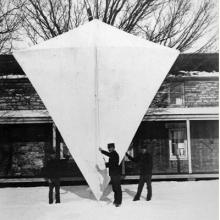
116, 187
54, 182
144, 179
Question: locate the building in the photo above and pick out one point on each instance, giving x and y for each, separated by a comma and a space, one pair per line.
180, 127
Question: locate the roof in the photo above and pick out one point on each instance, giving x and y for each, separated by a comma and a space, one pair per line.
203, 62
185, 62
25, 116
42, 116
164, 114
192, 75
8, 65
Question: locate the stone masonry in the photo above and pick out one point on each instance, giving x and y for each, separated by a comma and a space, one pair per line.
19, 94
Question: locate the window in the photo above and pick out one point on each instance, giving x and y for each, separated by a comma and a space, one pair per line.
64, 151
169, 94
177, 144
176, 93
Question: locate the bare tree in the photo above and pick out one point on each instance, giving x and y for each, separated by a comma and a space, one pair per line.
177, 24
10, 20
44, 19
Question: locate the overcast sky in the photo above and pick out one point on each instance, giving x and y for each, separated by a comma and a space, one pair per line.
25, 43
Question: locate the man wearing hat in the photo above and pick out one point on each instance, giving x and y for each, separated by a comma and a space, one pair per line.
114, 172
146, 166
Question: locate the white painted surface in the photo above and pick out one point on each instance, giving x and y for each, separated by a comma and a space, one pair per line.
97, 83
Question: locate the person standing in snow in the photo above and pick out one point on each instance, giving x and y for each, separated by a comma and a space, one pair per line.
52, 171
146, 166
114, 172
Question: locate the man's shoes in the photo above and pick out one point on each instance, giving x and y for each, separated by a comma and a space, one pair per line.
116, 205
148, 199
136, 199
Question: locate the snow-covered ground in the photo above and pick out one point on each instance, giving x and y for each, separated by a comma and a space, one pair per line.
172, 200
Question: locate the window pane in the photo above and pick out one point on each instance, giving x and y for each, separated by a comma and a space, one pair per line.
176, 101
177, 143
175, 88
180, 136
174, 149
176, 95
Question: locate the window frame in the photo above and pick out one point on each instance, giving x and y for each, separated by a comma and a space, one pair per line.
171, 157
182, 93
64, 150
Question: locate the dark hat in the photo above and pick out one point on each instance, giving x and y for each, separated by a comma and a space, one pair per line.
111, 145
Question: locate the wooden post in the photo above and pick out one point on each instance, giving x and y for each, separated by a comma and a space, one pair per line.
54, 135
189, 145
58, 139
123, 166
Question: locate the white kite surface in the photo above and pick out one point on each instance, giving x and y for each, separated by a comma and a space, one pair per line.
97, 83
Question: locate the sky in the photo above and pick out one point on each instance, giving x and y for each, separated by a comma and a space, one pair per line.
25, 42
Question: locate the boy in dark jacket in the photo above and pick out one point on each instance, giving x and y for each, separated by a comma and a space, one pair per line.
52, 171
114, 172
146, 166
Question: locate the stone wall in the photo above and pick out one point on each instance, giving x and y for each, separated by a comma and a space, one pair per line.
201, 93
24, 148
204, 148
156, 136
19, 94
196, 93
28, 159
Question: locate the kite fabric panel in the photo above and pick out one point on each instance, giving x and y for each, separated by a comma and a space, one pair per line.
97, 83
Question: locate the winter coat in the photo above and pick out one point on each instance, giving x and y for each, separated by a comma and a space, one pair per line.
113, 163
146, 162
53, 168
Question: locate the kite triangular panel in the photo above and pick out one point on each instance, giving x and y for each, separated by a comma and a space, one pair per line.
96, 82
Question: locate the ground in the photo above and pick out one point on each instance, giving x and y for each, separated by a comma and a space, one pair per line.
189, 200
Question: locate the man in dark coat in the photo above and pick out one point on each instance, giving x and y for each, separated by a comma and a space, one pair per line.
146, 166
114, 172
52, 171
